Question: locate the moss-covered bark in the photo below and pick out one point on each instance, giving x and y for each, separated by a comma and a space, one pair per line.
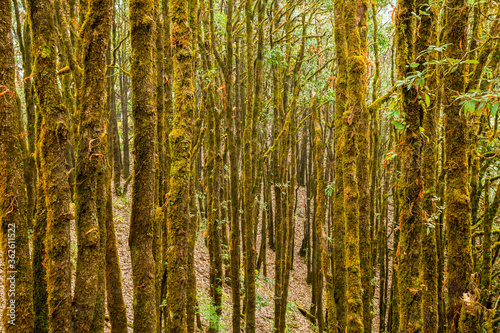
178, 202
30, 175
167, 121
363, 178
338, 209
411, 181
353, 116
91, 165
192, 302
213, 161
54, 134
114, 295
429, 36
325, 270
124, 108
97, 324
39, 256
143, 187
457, 209
278, 220
248, 165
234, 249
17, 315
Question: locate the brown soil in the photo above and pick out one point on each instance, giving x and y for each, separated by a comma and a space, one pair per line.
299, 291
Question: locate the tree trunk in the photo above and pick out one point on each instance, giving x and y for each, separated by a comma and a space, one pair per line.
89, 204
53, 139
457, 209
181, 136
356, 72
17, 314
411, 182
339, 222
143, 186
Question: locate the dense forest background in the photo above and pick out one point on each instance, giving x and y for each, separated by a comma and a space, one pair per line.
259, 166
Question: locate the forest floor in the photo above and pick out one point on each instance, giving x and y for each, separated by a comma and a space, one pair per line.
299, 292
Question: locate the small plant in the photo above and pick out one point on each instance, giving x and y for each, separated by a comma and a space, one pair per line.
260, 301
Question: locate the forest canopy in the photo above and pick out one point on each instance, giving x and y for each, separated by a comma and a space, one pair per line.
250, 165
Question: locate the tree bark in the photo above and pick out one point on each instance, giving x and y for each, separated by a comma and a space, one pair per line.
181, 137
17, 314
143, 186
53, 140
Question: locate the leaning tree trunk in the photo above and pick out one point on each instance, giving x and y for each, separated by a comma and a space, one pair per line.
17, 314
54, 136
143, 187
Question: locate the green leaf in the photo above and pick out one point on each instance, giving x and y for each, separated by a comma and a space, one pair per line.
494, 109
478, 111
414, 64
398, 125
472, 61
427, 100
470, 106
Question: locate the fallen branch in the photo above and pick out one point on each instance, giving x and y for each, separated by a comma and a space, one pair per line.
307, 314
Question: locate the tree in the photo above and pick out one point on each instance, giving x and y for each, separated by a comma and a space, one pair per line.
353, 116
18, 280
411, 181
457, 211
143, 186
90, 203
181, 142
54, 135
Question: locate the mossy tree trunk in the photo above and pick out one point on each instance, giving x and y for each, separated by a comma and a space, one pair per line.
30, 175
181, 137
40, 305
213, 170
17, 315
339, 226
429, 36
325, 271
411, 181
54, 135
234, 249
248, 179
91, 164
167, 121
356, 72
114, 292
143, 186
457, 209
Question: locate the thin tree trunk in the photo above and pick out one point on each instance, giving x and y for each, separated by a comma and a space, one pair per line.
428, 36
339, 222
141, 240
